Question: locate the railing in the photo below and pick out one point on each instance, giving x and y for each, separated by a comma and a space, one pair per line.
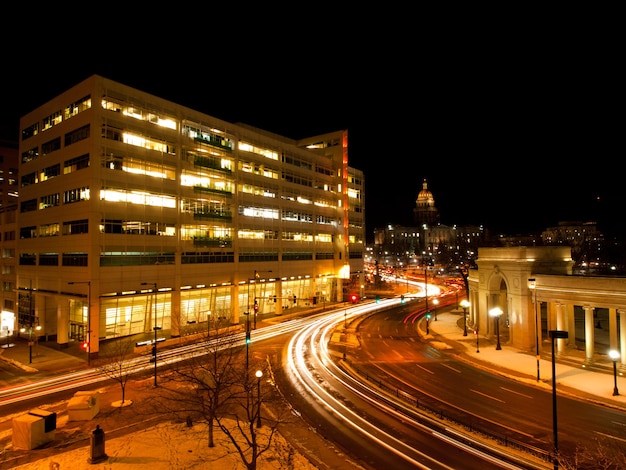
449, 413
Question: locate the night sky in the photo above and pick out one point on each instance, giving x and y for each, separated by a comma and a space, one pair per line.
512, 133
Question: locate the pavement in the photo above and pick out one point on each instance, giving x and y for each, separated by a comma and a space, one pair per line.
573, 376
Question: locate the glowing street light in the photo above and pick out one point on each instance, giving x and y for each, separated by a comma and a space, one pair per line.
435, 303
496, 313
614, 355
259, 374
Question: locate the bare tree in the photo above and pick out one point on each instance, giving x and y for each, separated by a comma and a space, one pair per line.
598, 454
114, 362
252, 435
201, 386
217, 385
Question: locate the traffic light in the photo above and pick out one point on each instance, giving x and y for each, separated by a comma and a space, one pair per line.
377, 298
354, 298
402, 299
427, 322
247, 337
274, 299
294, 299
85, 345
256, 305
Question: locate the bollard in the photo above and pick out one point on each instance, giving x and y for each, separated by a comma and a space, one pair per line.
97, 446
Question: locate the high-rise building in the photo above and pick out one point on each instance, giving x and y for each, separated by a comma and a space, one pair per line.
8, 263
136, 212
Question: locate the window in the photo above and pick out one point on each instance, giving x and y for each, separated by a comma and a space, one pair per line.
28, 259
52, 120
28, 206
75, 195
50, 200
74, 259
49, 230
30, 155
74, 227
28, 232
30, 131
50, 172
51, 146
77, 107
49, 259
30, 178
76, 164
77, 135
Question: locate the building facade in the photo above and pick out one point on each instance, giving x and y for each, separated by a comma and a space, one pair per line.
136, 213
8, 216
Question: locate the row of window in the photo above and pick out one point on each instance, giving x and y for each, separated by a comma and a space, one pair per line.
52, 200
57, 117
69, 166
147, 259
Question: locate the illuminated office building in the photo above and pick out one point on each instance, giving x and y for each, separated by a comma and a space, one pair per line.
8, 216
136, 212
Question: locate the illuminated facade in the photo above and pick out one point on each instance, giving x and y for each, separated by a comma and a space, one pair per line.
8, 216
136, 212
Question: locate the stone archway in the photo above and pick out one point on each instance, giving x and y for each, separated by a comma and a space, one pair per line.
501, 280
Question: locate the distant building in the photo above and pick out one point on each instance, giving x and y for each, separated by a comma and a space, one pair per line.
425, 211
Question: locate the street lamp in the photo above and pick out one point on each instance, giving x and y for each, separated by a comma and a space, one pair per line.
614, 355
30, 341
496, 312
436, 302
555, 334
532, 284
156, 328
88, 348
256, 306
465, 305
426, 286
476, 333
259, 374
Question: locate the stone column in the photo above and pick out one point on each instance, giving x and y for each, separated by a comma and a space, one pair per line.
622, 337
589, 334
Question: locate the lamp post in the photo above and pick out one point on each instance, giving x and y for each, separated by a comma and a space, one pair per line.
435, 302
426, 286
555, 334
495, 313
256, 306
614, 355
259, 374
465, 305
88, 348
156, 328
532, 284
476, 333
30, 341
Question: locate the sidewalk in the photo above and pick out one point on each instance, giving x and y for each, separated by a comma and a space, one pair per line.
572, 377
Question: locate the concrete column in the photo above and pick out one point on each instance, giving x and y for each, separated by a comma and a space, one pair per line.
589, 334
63, 325
175, 327
613, 329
